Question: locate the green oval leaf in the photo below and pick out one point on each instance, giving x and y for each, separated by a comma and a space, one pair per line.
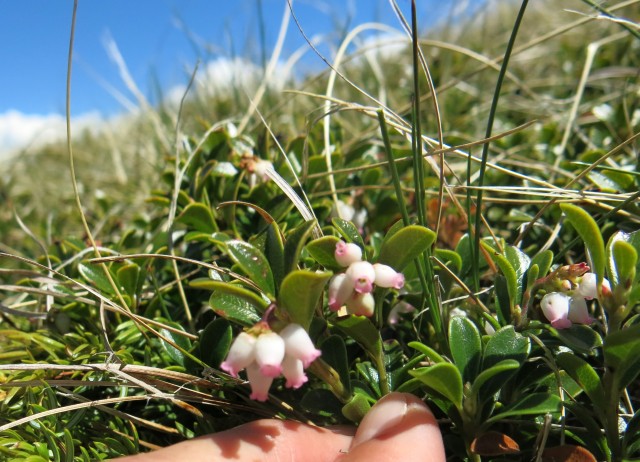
294, 244
348, 230
442, 379
363, 331
234, 308
507, 270
253, 264
588, 230
215, 341
199, 217
505, 344
585, 376
129, 279
531, 404
323, 251
544, 260
181, 344
94, 274
300, 294
625, 259
504, 368
405, 245
622, 354
427, 351
466, 347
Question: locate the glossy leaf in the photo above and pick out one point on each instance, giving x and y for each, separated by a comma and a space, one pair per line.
466, 347
507, 271
234, 308
323, 251
520, 263
274, 252
215, 341
588, 230
231, 289
405, 245
182, 342
356, 408
504, 369
544, 260
300, 294
429, 352
348, 230
334, 353
530, 404
444, 380
129, 279
585, 376
94, 274
622, 354
625, 259
198, 217
505, 344
294, 244
579, 338
363, 331
253, 264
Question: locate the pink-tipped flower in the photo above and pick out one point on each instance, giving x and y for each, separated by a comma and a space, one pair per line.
398, 309
555, 307
241, 354
269, 354
347, 253
387, 276
298, 344
361, 304
293, 371
578, 311
588, 288
259, 382
340, 289
363, 276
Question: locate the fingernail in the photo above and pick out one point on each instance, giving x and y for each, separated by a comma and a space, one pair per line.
387, 414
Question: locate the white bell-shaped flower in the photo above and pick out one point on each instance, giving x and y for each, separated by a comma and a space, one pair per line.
387, 276
293, 371
347, 253
578, 311
259, 382
363, 276
361, 304
555, 307
340, 289
241, 354
269, 354
588, 288
298, 344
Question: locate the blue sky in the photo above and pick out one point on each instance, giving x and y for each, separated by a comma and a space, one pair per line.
160, 40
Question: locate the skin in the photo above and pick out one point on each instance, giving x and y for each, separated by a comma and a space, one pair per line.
398, 427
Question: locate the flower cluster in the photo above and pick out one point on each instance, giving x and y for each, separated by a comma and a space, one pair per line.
353, 287
569, 305
266, 354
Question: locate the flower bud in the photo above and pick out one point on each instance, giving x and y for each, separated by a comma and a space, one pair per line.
578, 311
361, 304
259, 382
387, 276
293, 371
269, 354
298, 344
398, 309
555, 307
340, 289
241, 354
363, 275
347, 253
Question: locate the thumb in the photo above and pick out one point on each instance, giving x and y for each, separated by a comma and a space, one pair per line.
398, 427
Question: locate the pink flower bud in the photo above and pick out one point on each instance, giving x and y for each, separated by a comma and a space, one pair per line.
241, 354
588, 288
387, 276
259, 382
361, 304
363, 275
298, 344
347, 253
293, 371
269, 354
555, 307
340, 289
578, 311
398, 309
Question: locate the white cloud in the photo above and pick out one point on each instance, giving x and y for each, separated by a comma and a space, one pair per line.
19, 130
